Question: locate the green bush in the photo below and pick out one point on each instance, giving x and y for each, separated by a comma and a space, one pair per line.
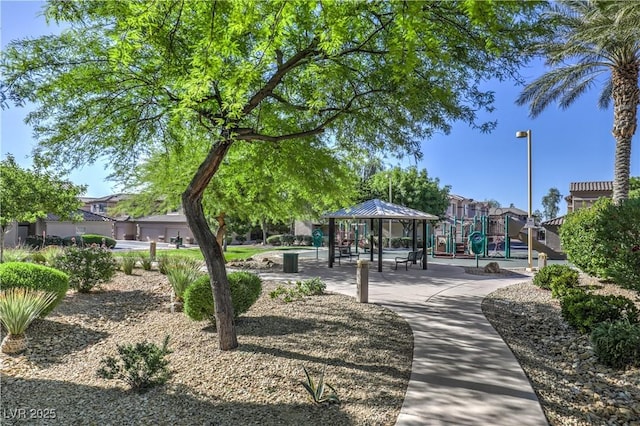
141, 365
617, 344
198, 297
545, 275
37, 277
618, 232
287, 239
584, 310
89, 239
396, 242
274, 240
241, 238
581, 238
564, 283
18, 254
87, 267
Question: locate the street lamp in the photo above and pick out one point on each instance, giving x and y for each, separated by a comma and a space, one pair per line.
529, 226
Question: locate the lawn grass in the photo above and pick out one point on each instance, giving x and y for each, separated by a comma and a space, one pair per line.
232, 253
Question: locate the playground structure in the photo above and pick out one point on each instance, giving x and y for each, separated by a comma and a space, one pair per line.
451, 238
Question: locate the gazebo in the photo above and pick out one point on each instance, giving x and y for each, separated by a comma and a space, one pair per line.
380, 210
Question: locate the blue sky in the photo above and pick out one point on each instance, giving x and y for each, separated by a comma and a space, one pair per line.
568, 146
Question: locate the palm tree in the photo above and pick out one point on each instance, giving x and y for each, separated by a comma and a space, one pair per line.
591, 39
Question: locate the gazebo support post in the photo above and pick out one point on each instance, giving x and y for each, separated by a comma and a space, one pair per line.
332, 239
414, 243
424, 244
380, 245
371, 242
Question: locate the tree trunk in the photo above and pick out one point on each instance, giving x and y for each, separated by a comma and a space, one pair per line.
626, 97
222, 230
263, 225
211, 250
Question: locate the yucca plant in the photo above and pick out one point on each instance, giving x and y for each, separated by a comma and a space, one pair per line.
50, 253
181, 275
17, 254
18, 308
317, 390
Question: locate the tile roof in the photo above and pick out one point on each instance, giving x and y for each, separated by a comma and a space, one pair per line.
591, 186
558, 221
376, 209
86, 216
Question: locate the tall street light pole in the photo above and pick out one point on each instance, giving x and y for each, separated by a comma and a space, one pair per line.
527, 134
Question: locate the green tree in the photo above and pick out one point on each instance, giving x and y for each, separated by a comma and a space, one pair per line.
28, 195
127, 78
634, 187
551, 203
593, 38
307, 179
413, 189
492, 203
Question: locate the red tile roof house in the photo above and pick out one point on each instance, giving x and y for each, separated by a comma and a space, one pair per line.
581, 195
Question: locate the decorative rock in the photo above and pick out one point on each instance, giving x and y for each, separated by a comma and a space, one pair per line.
492, 268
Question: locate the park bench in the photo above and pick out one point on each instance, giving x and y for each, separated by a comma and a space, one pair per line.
411, 258
345, 251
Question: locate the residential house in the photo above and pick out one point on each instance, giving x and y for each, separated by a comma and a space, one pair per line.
581, 195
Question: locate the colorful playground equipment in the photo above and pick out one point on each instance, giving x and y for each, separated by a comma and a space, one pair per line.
451, 238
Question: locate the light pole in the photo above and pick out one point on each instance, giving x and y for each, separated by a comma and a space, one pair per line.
529, 226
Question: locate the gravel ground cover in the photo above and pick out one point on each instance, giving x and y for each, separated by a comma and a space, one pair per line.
573, 388
367, 352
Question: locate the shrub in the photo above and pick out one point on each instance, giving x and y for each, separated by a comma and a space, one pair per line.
581, 239
89, 239
545, 275
617, 344
396, 242
36, 241
307, 240
241, 238
164, 262
198, 297
310, 287
618, 230
562, 284
87, 267
141, 365
274, 240
287, 239
584, 311
36, 277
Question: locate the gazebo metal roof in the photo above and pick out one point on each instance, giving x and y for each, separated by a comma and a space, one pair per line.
378, 209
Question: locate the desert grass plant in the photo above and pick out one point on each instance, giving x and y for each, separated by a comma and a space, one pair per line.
19, 306
50, 254
311, 287
145, 260
127, 262
141, 365
318, 390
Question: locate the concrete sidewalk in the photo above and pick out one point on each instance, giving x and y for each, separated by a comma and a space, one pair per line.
463, 373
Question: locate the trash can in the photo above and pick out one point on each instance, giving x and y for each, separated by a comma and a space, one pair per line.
290, 262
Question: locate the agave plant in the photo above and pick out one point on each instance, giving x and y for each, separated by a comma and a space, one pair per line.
18, 308
317, 390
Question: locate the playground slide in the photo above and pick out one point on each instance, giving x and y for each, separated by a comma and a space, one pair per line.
517, 231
